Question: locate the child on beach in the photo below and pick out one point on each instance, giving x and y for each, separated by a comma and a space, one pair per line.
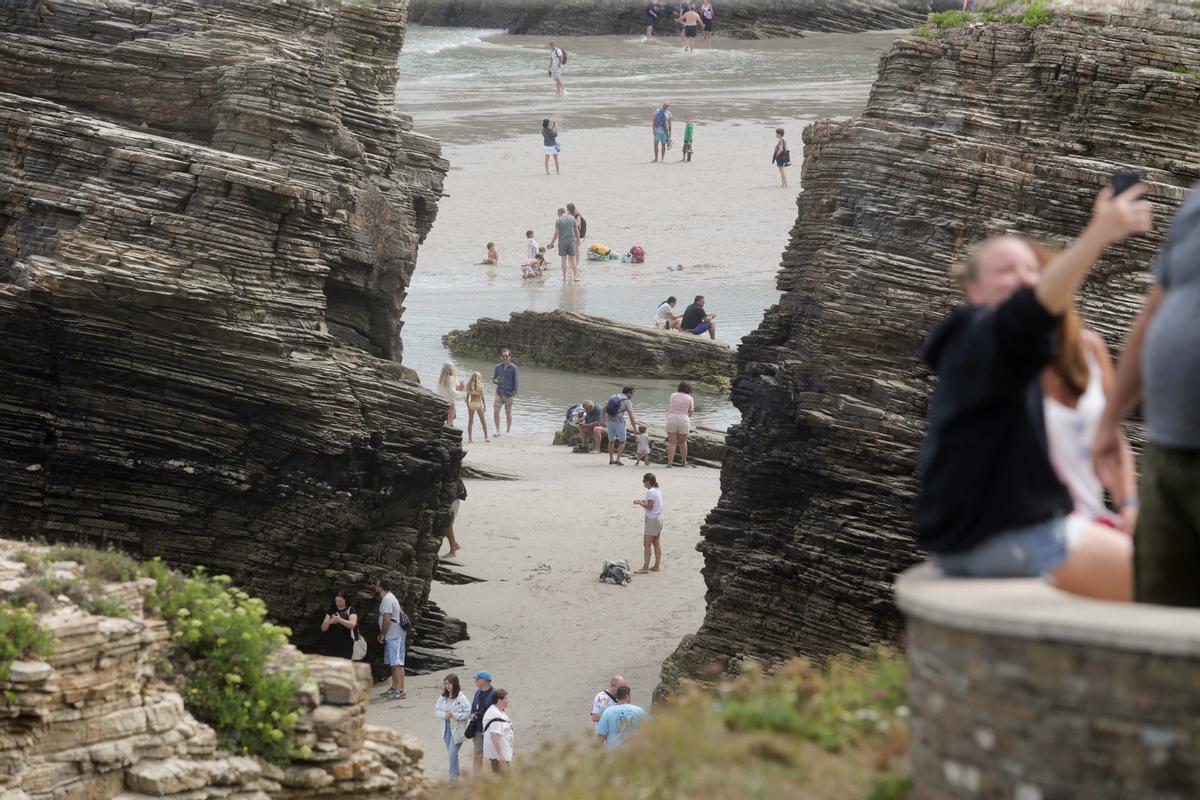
493, 258
531, 246
688, 132
533, 267
653, 505
476, 406
643, 451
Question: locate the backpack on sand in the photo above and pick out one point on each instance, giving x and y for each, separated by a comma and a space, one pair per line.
616, 572
638, 254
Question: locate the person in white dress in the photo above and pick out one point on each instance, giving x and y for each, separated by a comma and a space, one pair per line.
449, 388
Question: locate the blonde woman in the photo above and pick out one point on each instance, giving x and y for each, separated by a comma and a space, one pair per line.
476, 406
450, 389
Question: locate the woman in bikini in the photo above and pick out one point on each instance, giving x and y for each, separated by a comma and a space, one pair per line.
476, 406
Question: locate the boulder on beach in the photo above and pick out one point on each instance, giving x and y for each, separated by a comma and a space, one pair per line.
584, 343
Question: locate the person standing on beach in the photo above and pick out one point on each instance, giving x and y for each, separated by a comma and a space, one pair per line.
393, 624
338, 627
476, 406
689, 131
619, 720
504, 377
691, 28
568, 244
557, 59
679, 422
451, 539
453, 710
606, 698
781, 157
580, 232
651, 17
550, 147
708, 14
485, 695
652, 502
614, 412
450, 389
498, 734
662, 129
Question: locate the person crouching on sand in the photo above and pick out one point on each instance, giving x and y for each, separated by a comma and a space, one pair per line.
653, 505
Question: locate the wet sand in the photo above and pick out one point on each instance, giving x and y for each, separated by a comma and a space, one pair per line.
542, 623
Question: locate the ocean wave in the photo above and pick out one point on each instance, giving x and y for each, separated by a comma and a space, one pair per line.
427, 43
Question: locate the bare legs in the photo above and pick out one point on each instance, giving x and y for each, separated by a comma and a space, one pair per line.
671, 442
712, 330
507, 416
398, 677
656, 148
1100, 565
683, 447
451, 414
546, 163
783, 184
566, 260
453, 542
472, 413
615, 447
651, 543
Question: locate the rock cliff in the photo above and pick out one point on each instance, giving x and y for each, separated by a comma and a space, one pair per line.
974, 131
741, 19
209, 215
101, 717
598, 346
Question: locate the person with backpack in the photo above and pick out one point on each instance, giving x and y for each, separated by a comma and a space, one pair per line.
393, 631
498, 733
606, 698
558, 59
614, 412
485, 695
662, 130
566, 235
781, 157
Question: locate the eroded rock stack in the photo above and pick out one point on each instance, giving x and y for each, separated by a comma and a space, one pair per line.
210, 213
741, 19
99, 719
597, 346
981, 130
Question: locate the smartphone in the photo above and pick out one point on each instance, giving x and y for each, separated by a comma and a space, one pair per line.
1125, 179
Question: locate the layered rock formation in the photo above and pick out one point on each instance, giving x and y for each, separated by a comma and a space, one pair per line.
706, 446
981, 130
210, 214
596, 345
99, 719
741, 19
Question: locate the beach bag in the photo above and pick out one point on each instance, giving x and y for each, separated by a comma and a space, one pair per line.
575, 414
599, 249
660, 119
616, 572
638, 254
582, 226
360, 647
613, 406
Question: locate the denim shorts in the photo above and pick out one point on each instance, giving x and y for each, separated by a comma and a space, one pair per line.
616, 430
1030, 552
393, 651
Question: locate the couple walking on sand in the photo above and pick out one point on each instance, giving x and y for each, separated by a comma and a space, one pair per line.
569, 229
1024, 424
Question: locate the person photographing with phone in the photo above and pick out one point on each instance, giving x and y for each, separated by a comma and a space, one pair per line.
989, 502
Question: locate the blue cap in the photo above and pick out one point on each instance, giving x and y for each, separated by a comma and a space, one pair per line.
483, 673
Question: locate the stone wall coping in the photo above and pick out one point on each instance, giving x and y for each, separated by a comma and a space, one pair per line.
1032, 609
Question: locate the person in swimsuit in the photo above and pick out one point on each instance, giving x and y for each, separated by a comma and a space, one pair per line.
476, 406
691, 28
708, 14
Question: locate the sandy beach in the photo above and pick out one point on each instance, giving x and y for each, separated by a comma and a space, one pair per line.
542, 623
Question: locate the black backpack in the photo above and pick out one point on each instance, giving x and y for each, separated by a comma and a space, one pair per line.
582, 226
563, 61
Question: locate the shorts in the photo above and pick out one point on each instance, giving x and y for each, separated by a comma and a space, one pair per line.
503, 401
679, 425
1034, 551
702, 328
616, 430
552, 150
687, 145
690, 31
653, 526
566, 248
648, 21
393, 651
1166, 550
708, 23
556, 73
660, 135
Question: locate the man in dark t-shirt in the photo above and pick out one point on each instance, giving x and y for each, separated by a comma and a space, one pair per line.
697, 321
990, 503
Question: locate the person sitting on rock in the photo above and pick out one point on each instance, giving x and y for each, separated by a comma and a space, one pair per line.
591, 428
990, 504
696, 320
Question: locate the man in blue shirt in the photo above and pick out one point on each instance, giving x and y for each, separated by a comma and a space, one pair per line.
504, 376
619, 720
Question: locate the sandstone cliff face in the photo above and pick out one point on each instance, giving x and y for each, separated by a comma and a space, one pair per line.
982, 130
99, 718
209, 214
741, 19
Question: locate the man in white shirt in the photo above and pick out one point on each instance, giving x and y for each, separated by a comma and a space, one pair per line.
498, 733
557, 57
606, 698
392, 635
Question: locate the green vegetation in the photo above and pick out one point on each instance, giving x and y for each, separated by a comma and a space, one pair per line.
1182, 70
20, 638
222, 646
1023, 12
838, 733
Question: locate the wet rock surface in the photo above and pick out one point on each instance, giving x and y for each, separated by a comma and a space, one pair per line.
981, 130
210, 214
597, 346
741, 19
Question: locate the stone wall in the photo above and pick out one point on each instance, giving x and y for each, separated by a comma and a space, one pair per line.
210, 215
101, 719
981, 130
596, 346
741, 19
1020, 691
